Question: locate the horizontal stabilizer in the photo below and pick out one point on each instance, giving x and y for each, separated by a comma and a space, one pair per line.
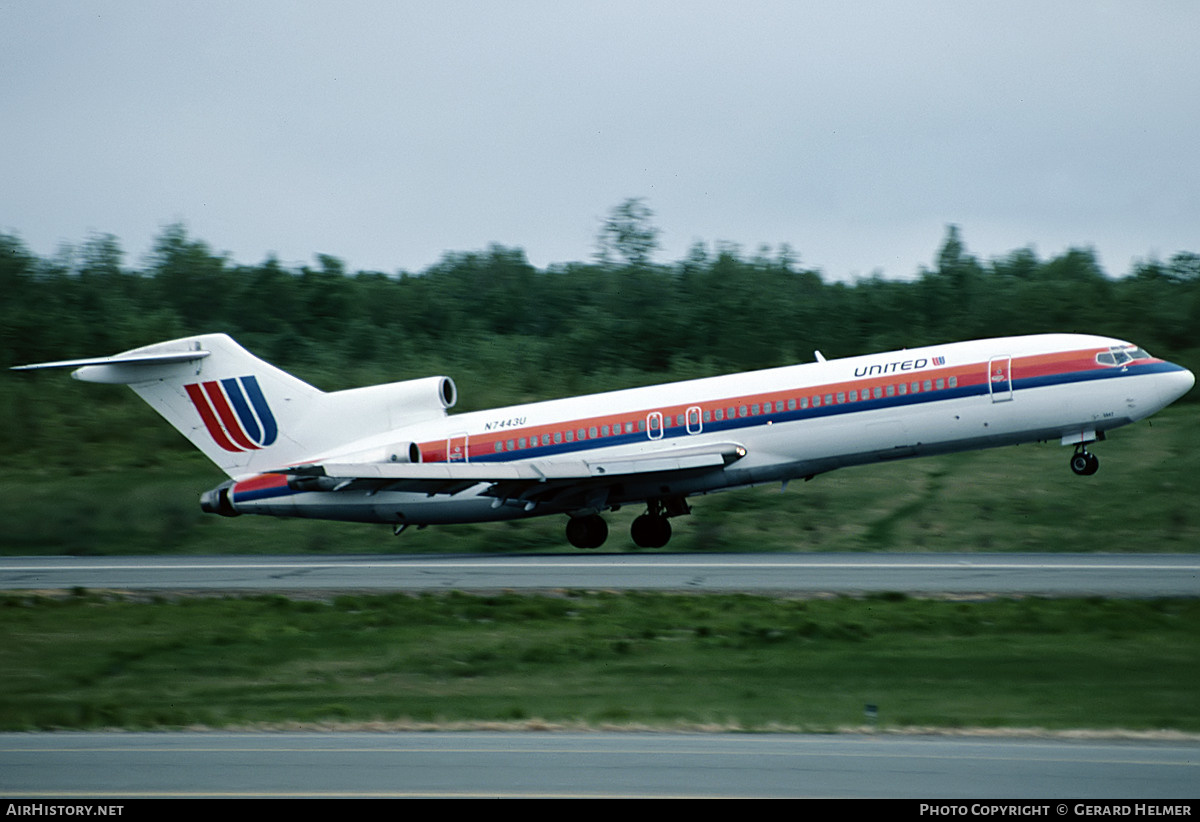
139, 359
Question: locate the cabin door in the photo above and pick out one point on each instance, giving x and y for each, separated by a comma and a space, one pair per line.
456, 447
1000, 379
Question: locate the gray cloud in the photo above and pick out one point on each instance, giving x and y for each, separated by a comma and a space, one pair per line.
387, 133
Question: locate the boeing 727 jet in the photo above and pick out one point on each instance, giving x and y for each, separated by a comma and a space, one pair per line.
393, 454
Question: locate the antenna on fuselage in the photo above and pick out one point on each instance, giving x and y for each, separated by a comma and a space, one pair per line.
820, 357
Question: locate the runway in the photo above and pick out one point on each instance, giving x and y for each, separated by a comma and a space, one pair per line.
65, 766
1117, 575
573, 765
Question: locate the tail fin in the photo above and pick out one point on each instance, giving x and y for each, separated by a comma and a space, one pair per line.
230, 404
248, 416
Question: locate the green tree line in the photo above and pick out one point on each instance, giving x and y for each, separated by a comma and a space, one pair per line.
507, 331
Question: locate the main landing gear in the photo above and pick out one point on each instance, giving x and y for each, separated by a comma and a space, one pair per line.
1084, 462
587, 532
650, 530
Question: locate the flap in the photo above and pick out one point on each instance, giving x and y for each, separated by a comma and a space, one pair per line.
441, 477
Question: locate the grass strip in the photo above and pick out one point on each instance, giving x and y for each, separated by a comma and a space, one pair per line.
1001, 500
596, 659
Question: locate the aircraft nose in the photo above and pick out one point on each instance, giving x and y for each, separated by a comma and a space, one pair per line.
1174, 384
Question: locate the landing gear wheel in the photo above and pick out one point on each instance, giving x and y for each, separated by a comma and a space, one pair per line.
650, 531
587, 532
1084, 463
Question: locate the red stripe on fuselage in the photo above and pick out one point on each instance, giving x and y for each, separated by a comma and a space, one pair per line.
261, 483
969, 374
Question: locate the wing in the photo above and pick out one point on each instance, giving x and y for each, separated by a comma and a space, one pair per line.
525, 481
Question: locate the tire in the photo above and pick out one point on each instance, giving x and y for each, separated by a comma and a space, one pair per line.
587, 532
1085, 464
649, 531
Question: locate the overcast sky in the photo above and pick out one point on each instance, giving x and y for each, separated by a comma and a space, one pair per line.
387, 133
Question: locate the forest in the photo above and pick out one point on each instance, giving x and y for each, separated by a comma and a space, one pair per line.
508, 332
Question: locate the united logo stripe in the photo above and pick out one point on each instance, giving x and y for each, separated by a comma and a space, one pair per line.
196, 394
225, 413
270, 429
249, 424
235, 413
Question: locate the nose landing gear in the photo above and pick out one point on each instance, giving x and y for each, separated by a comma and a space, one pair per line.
1084, 462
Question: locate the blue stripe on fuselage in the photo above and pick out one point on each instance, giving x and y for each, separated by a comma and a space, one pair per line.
796, 415
811, 413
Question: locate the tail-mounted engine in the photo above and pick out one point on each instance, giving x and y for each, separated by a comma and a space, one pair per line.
217, 500
376, 409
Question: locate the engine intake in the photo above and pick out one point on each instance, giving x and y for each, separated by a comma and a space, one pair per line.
404, 452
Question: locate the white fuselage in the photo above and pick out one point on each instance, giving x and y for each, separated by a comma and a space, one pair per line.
795, 421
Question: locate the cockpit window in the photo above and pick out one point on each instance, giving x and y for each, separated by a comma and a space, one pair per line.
1121, 354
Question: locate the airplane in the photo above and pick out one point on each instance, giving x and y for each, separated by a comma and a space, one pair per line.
392, 453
